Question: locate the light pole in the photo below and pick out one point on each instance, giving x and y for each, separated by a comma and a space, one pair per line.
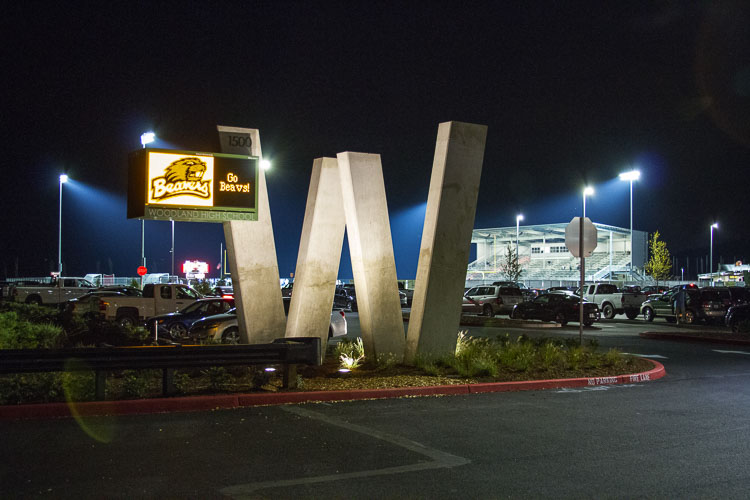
587, 191
715, 225
519, 218
63, 180
631, 176
146, 138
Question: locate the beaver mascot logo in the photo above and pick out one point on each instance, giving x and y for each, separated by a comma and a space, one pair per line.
183, 176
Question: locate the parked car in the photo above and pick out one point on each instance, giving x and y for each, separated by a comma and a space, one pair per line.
561, 289
664, 305
508, 283
177, 324
612, 301
54, 292
224, 327
714, 304
352, 293
223, 291
130, 291
654, 289
286, 290
90, 304
157, 299
736, 316
490, 300
734, 295
560, 307
342, 298
409, 292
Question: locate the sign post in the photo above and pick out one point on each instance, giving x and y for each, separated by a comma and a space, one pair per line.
580, 238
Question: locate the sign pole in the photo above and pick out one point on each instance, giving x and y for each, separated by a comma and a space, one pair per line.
583, 264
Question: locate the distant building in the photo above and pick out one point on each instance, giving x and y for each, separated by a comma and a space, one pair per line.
546, 261
728, 275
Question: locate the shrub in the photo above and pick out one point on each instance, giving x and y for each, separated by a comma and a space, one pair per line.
136, 384
203, 287
551, 355
30, 387
576, 357
17, 333
428, 365
218, 378
612, 357
386, 360
350, 353
182, 383
519, 355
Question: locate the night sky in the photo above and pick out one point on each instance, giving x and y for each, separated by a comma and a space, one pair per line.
573, 93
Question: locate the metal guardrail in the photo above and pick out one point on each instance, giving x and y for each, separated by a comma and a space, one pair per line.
288, 352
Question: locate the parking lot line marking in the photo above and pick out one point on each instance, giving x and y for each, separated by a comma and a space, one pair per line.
658, 356
730, 352
439, 459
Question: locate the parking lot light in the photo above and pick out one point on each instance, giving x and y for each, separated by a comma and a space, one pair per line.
715, 225
519, 218
63, 180
587, 191
631, 176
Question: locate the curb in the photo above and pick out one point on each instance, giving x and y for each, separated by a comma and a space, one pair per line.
686, 337
495, 322
226, 401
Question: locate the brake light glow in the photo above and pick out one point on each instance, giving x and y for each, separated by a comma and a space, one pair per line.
341, 312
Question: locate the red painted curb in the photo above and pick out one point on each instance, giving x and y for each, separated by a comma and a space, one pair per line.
683, 337
223, 401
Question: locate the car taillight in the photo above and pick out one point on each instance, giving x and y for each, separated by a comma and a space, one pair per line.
227, 296
622, 299
341, 312
103, 305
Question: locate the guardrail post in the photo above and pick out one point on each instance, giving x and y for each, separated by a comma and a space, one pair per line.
100, 385
167, 381
290, 376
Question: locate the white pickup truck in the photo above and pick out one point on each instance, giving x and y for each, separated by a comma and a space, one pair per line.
56, 291
611, 301
158, 298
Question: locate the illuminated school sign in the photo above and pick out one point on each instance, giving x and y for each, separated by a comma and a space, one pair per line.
188, 186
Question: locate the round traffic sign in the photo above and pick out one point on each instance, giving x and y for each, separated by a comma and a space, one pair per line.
142, 270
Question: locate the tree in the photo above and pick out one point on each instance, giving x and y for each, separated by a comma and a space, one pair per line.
511, 268
659, 265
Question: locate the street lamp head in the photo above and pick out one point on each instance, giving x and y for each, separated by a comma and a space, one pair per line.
633, 175
147, 138
519, 217
588, 191
63, 178
715, 225
265, 164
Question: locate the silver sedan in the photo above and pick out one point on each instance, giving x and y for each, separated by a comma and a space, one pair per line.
224, 328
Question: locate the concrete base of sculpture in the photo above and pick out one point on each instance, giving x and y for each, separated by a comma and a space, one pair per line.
446, 240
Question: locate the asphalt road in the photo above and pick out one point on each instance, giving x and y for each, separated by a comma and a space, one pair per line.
681, 436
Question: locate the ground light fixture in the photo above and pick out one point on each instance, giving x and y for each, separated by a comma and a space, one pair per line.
63, 180
715, 225
631, 176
